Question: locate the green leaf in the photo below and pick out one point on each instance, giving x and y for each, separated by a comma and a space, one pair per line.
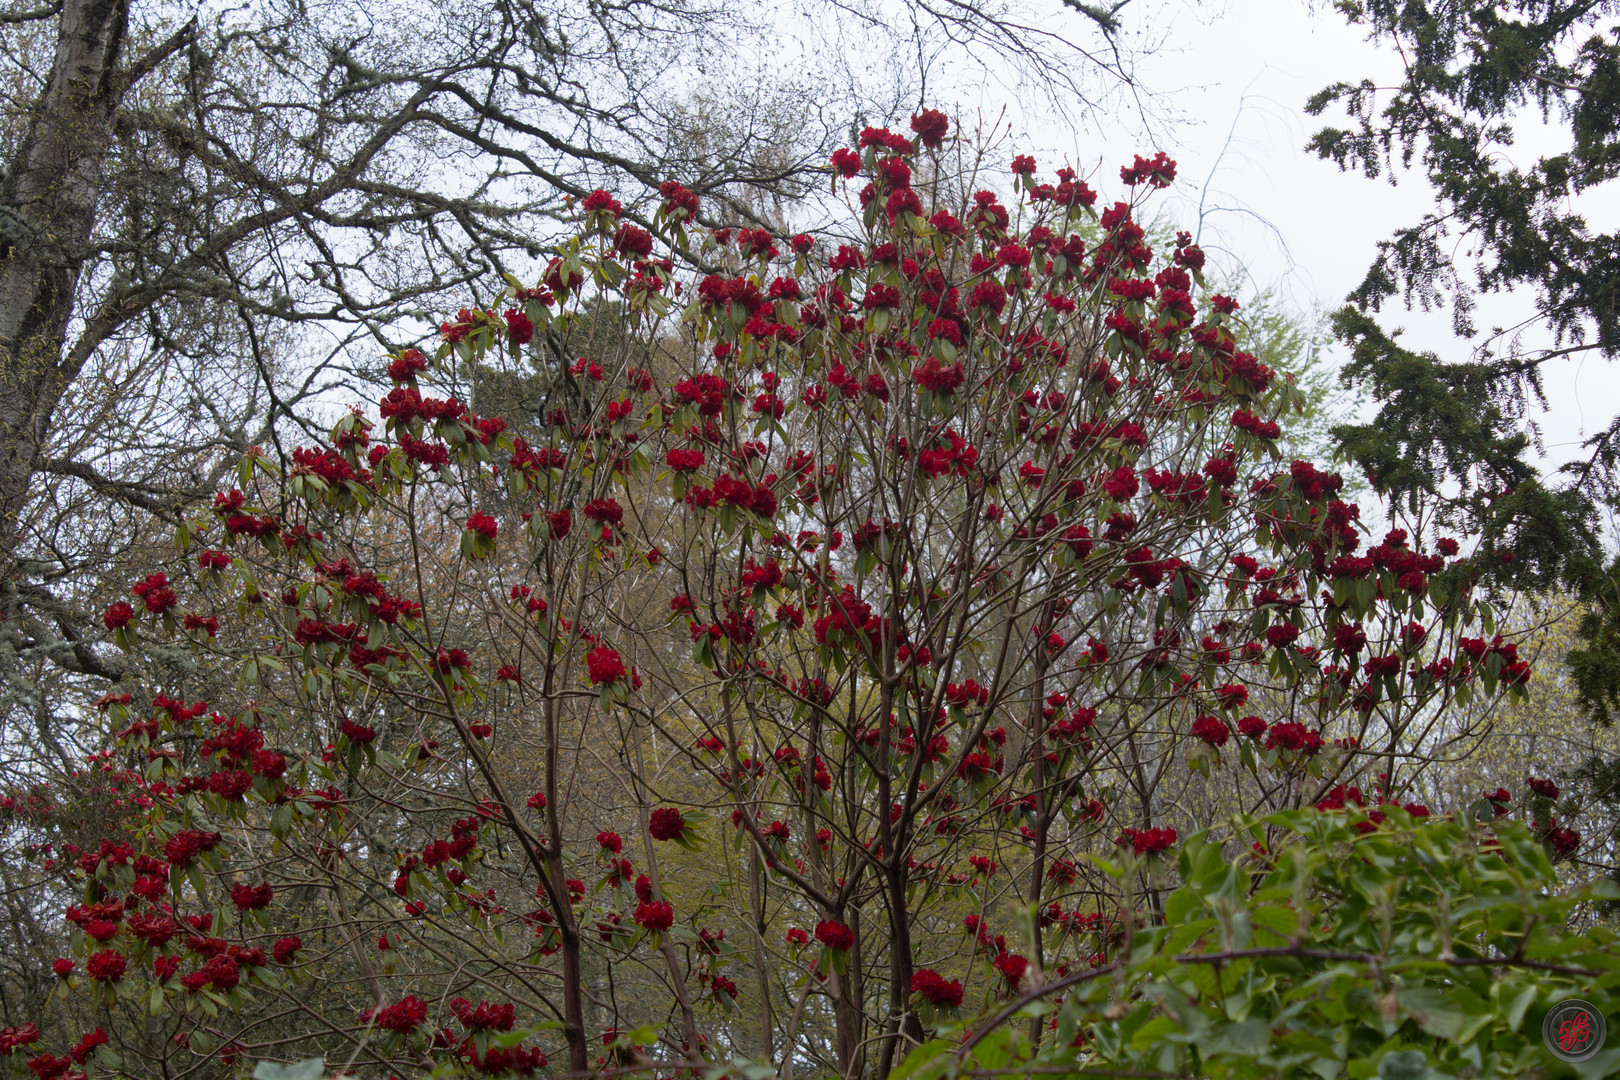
927, 1062
1437, 1013
1515, 1010
1248, 1039
1403, 1065
1604, 1063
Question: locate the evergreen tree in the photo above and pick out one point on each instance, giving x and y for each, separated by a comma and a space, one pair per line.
1451, 434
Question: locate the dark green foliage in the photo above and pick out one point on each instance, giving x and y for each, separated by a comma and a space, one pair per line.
1451, 434
1422, 947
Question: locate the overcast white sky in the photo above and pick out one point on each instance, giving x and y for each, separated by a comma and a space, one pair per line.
1293, 221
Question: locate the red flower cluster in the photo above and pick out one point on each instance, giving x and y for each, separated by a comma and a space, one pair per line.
185, 846
1013, 967
1293, 736
604, 666
1564, 840
1147, 841
678, 201
251, 897
605, 511
403, 1016
106, 966
1211, 729
835, 935
118, 616
156, 594
666, 823
966, 694
655, 915
357, 733
13, 1037
931, 127
937, 378
681, 460
485, 1017
936, 990
601, 202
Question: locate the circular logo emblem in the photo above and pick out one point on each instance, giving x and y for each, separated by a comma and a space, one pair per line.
1574, 1030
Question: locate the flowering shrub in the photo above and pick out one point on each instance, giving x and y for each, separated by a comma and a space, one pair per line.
919, 573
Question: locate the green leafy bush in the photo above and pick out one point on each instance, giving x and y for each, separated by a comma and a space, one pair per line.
1339, 947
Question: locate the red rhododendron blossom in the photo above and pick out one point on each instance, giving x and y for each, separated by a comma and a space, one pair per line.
1148, 841
251, 897
835, 935
155, 594
604, 666
666, 823
931, 127
357, 733
107, 966
518, 327
1158, 171
185, 846
655, 916
403, 1016
605, 511
632, 241
286, 949
1565, 841
486, 1016
1211, 729
482, 524
684, 460
936, 378
118, 615
936, 990
86, 1046
1013, 967
678, 200
600, 201
1293, 736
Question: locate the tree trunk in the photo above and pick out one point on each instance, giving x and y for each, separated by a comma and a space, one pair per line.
49, 206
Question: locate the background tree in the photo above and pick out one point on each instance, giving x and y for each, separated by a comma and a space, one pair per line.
1453, 436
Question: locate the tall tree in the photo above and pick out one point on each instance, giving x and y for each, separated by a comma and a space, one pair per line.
1453, 435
